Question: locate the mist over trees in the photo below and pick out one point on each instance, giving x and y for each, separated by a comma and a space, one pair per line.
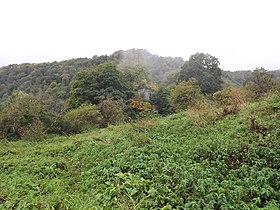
147, 125
159, 67
53, 79
126, 85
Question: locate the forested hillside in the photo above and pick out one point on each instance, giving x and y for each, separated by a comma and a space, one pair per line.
159, 67
76, 95
276, 73
139, 105
235, 78
52, 80
238, 78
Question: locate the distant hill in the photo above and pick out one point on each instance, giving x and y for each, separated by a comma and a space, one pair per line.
235, 78
276, 73
159, 67
53, 79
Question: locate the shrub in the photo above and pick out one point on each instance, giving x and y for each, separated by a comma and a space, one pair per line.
137, 109
231, 99
83, 118
23, 116
161, 100
185, 94
203, 113
112, 112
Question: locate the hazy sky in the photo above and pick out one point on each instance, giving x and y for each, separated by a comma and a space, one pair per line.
242, 34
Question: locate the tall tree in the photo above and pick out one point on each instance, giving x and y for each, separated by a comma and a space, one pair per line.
135, 75
261, 82
205, 69
161, 100
97, 84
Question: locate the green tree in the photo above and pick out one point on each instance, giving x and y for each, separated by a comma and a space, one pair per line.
97, 84
185, 94
161, 100
135, 75
205, 69
261, 83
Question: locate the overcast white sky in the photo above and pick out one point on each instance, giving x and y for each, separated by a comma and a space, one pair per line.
242, 34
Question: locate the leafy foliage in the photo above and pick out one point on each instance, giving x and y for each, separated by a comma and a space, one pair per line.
97, 84
83, 118
185, 94
183, 166
161, 100
205, 69
232, 99
47, 79
52, 80
164, 163
135, 75
138, 108
261, 83
112, 112
23, 116
195, 159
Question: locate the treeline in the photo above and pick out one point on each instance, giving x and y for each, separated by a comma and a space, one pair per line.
160, 68
80, 94
52, 80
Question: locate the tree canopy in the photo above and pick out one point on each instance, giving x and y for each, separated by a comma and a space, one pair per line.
23, 116
261, 82
94, 85
205, 69
185, 94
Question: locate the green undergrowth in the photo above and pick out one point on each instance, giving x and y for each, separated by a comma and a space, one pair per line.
228, 162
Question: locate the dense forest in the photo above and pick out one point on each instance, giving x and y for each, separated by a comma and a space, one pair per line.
53, 79
133, 130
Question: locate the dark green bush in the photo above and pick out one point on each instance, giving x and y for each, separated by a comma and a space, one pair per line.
185, 95
112, 112
161, 100
23, 116
83, 118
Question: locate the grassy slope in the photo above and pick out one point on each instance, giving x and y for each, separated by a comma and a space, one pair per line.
160, 163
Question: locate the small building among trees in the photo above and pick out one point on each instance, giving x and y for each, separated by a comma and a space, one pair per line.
145, 93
